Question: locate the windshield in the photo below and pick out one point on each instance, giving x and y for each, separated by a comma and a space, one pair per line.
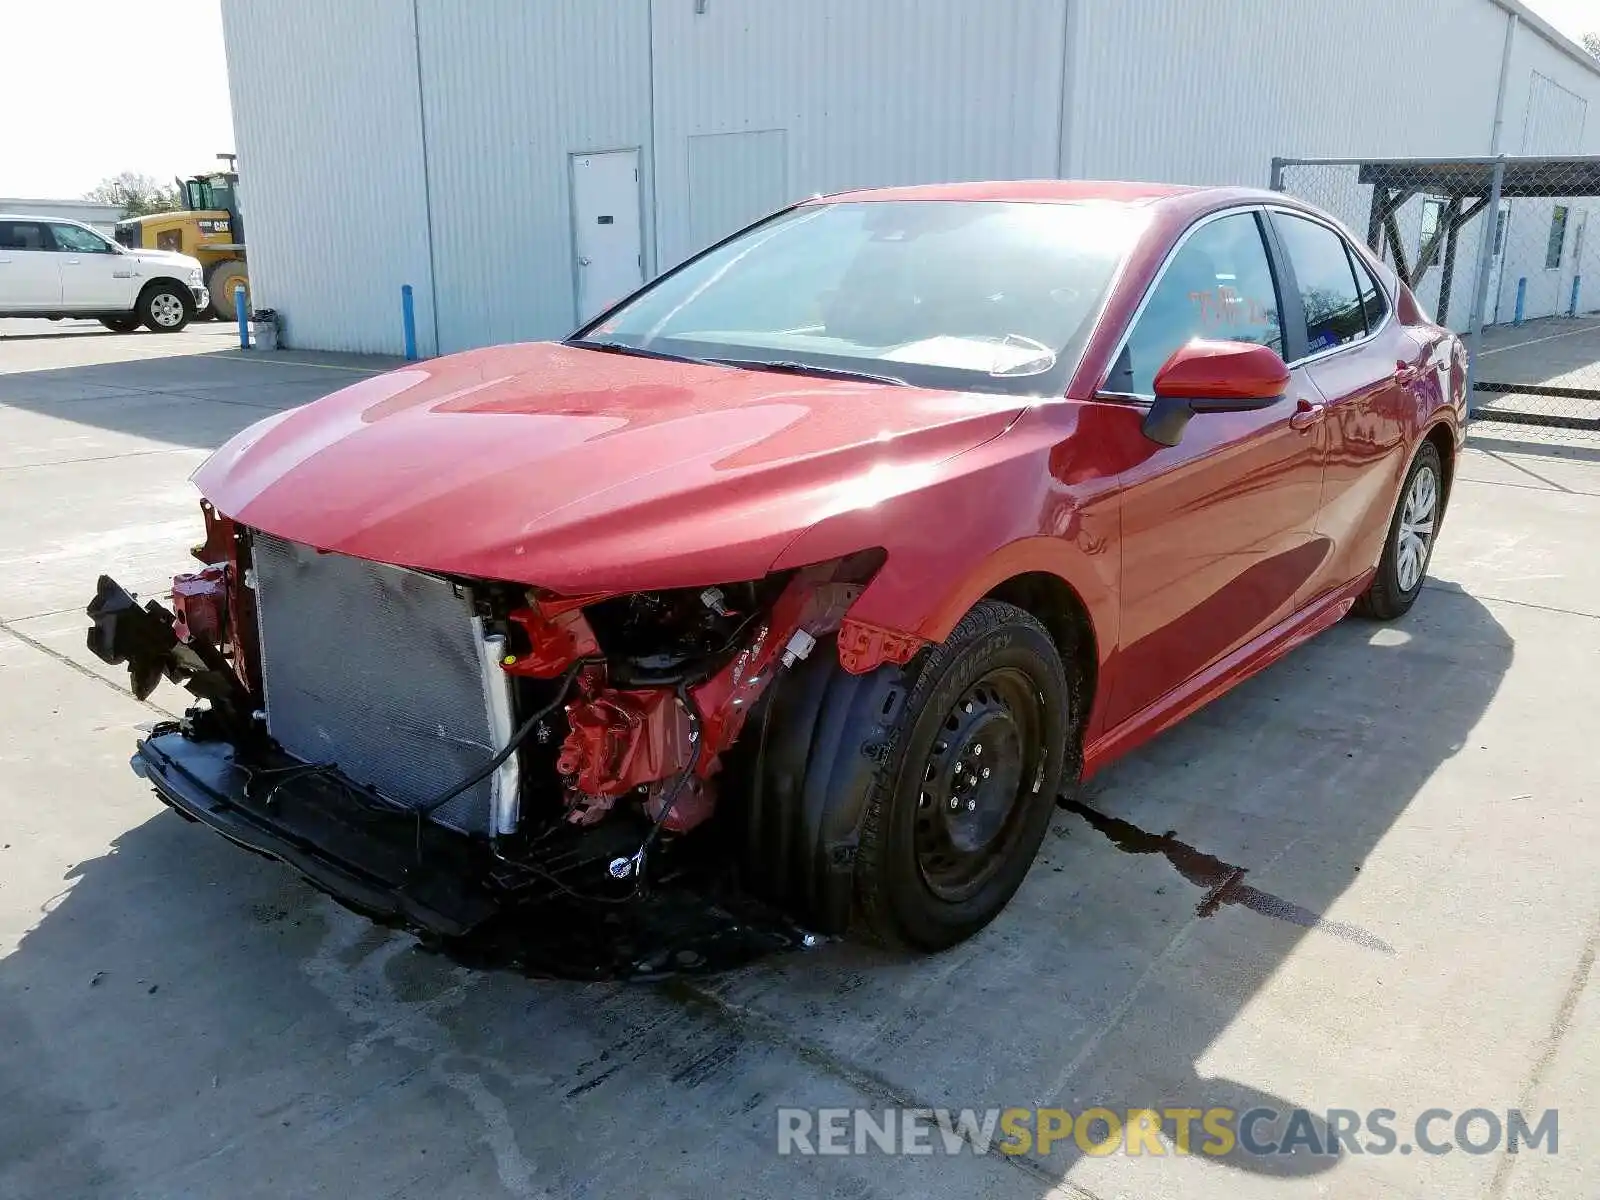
979, 295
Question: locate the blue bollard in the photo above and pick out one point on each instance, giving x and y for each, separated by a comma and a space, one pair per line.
1522, 298
408, 313
244, 318
1572, 309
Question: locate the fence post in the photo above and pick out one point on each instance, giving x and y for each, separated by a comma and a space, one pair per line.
1480, 292
1276, 181
408, 314
239, 310
1522, 298
1572, 309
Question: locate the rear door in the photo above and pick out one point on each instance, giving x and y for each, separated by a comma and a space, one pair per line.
1361, 360
1216, 531
94, 276
30, 277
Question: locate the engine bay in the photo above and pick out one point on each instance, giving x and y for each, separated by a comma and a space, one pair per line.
625, 711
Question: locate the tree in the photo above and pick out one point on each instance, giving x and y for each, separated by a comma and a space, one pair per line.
136, 194
1591, 43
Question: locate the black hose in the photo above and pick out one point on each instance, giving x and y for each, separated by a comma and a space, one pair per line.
678, 784
510, 748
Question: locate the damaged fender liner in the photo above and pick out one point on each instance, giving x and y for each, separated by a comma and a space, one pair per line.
317, 827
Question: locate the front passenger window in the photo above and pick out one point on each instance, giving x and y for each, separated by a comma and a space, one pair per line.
1217, 285
74, 240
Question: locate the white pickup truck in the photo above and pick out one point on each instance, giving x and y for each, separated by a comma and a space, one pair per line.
50, 267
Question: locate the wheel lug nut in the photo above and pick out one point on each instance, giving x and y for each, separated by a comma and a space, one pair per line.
977, 747
971, 805
954, 803
986, 772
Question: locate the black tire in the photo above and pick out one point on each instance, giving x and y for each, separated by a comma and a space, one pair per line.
156, 307
120, 324
221, 282
1396, 586
841, 830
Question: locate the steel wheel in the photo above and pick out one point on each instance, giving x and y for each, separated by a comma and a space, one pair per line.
1414, 536
982, 764
166, 310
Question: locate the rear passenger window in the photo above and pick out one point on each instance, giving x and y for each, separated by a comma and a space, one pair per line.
1327, 282
21, 235
1217, 285
1373, 302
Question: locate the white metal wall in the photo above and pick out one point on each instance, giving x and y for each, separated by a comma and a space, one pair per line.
328, 130
427, 141
866, 93
1207, 91
510, 90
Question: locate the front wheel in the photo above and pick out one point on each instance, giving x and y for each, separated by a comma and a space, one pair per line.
165, 308
907, 804
1409, 545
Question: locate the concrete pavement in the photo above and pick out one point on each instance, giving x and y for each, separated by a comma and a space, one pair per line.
181, 1019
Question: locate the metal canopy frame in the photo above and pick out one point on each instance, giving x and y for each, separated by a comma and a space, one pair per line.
1468, 186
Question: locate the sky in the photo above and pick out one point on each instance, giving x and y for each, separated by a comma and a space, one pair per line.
94, 106
146, 90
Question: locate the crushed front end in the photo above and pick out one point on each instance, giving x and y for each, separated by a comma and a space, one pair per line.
463, 757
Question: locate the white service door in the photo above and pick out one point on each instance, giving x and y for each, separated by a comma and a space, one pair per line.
606, 233
30, 276
94, 277
1580, 218
1497, 260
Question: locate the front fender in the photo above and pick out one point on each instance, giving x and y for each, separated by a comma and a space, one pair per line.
953, 541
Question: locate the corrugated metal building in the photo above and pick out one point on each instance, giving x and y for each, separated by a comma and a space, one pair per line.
103, 217
521, 161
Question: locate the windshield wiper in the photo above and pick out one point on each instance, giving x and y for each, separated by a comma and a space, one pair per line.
635, 351
799, 368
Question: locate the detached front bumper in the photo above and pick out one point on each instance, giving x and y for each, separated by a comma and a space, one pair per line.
378, 861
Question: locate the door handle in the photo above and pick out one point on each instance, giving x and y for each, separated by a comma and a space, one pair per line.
584, 260
1306, 414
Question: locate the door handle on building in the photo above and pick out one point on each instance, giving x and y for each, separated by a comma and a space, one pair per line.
584, 260
1307, 413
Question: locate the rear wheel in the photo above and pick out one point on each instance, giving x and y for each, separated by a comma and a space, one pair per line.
1409, 546
120, 324
908, 804
165, 308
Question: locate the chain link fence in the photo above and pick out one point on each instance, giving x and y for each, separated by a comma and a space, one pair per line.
1505, 251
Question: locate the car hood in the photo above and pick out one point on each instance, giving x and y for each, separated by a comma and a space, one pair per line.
586, 471
166, 257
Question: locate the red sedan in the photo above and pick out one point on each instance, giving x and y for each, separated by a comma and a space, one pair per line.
831, 557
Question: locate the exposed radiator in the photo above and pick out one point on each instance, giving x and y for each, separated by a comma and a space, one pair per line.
385, 673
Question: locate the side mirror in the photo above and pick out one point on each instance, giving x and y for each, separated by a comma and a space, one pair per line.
1205, 376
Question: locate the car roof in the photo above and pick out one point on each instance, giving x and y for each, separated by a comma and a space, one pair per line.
5, 216
1060, 191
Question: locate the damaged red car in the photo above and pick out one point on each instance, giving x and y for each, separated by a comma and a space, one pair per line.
832, 557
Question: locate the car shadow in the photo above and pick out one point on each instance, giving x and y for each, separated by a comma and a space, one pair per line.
185, 1018
195, 400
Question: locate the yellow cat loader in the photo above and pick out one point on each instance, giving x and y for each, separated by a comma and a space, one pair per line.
209, 229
